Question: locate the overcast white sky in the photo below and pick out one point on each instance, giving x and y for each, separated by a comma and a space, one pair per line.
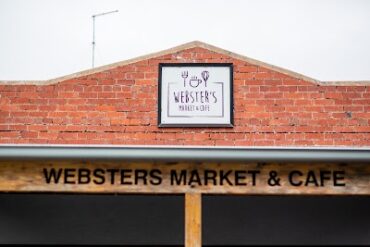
323, 39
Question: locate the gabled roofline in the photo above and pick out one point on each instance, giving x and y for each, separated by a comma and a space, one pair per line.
179, 48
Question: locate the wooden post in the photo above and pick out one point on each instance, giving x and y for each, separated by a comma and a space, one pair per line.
193, 220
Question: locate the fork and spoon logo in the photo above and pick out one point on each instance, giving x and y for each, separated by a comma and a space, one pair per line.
194, 81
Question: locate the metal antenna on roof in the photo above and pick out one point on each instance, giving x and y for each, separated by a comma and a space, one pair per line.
93, 42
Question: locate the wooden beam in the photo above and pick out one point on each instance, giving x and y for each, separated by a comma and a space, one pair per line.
193, 220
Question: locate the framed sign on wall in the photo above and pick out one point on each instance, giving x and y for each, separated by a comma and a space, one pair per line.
195, 95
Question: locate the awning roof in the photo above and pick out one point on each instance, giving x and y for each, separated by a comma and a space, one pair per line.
185, 153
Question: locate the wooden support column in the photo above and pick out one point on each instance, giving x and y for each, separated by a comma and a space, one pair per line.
193, 220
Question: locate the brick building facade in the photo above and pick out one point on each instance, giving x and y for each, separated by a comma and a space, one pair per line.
117, 104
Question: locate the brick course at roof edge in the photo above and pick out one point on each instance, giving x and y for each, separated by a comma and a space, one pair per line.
119, 106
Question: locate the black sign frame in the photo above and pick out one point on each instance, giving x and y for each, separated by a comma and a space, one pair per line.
231, 98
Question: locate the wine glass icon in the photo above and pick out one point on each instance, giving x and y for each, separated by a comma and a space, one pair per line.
205, 76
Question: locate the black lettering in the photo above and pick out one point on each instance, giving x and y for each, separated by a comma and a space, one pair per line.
324, 175
52, 174
113, 173
254, 176
194, 178
99, 176
69, 173
225, 177
187, 96
83, 176
311, 179
141, 175
210, 175
240, 177
338, 177
178, 180
192, 97
182, 96
176, 96
155, 177
196, 96
214, 97
291, 178
206, 99
126, 173
201, 97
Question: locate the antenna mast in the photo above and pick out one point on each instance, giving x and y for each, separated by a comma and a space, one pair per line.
93, 41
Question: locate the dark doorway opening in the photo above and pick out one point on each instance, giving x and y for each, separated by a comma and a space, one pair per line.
158, 220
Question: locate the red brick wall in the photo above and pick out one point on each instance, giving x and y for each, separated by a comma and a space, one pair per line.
119, 106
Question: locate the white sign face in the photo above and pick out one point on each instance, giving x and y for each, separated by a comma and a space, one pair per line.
195, 95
